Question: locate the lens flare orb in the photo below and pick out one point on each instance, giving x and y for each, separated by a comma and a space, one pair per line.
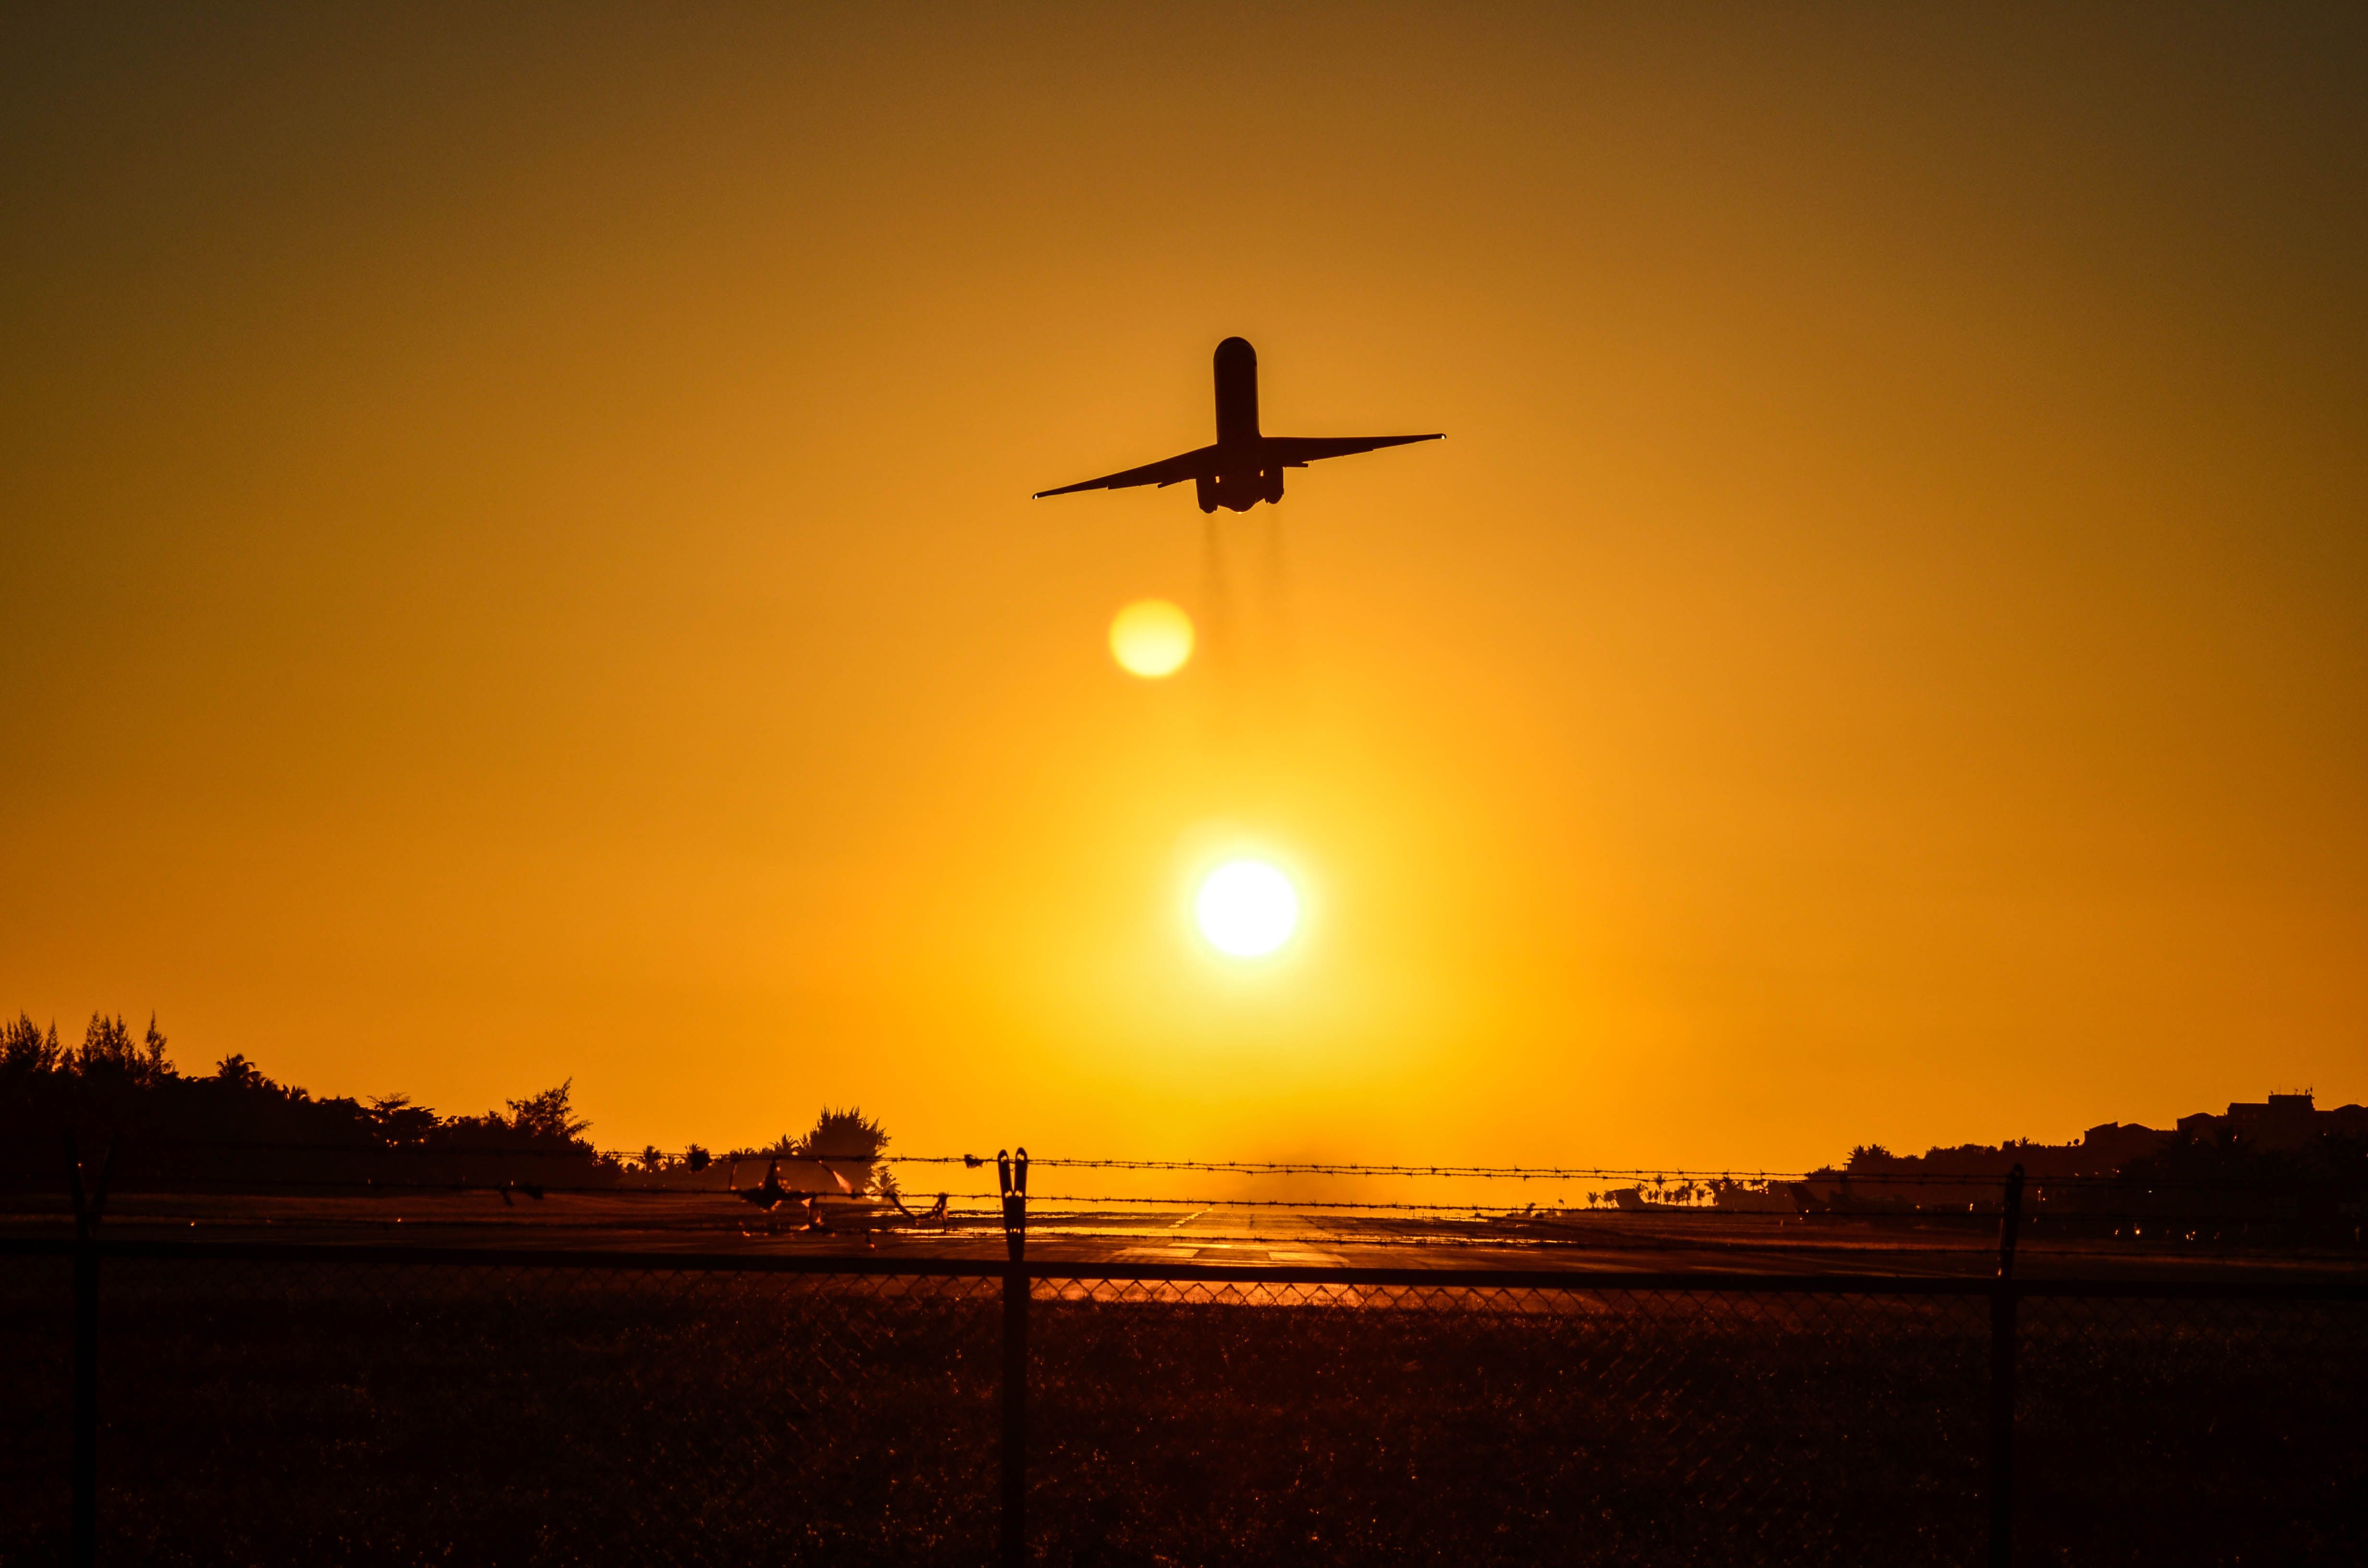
1151, 638
1247, 909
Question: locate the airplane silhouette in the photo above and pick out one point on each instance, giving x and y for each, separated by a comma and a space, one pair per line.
1243, 468
771, 1195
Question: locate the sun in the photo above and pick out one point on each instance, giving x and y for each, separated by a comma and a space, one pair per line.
1246, 908
1151, 638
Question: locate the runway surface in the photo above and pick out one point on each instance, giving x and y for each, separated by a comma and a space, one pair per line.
710, 1222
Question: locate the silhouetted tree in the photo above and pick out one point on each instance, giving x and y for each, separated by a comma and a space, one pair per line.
696, 1158
842, 1135
400, 1123
25, 1048
108, 1053
238, 1073
548, 1115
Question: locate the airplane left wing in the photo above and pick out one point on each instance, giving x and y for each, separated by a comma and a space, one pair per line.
1298, 452
1167, 470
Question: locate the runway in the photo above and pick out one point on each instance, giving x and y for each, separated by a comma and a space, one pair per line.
1596, 1241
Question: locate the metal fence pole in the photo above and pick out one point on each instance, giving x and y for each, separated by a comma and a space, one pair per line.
83, 1534
1014, 1174
2002, 1348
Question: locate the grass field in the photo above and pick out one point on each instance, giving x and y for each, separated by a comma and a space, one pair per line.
415, 1414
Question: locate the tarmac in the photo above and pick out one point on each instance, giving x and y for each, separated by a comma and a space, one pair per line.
1593, 1241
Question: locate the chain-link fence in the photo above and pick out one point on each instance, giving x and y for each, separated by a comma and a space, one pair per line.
321, 1405
2214, 1425
1469, 1422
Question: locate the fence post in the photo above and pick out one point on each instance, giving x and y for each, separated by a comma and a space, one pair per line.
1014, 1175
83, 1533
2002, 1348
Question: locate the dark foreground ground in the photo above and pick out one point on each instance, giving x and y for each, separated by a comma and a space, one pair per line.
413, 1412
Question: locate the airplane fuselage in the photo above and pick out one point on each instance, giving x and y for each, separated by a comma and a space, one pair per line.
1245, 474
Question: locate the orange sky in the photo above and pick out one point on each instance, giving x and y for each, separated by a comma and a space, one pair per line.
516, 562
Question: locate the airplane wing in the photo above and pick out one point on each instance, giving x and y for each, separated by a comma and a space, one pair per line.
1298, 452
1167, 470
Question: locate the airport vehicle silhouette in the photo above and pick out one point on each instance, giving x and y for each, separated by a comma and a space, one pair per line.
1243, 468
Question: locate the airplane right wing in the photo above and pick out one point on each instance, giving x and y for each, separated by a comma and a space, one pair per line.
1167, 470
1298, 452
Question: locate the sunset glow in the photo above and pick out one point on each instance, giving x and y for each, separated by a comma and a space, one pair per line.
1246, 908
1151, 638
519, 547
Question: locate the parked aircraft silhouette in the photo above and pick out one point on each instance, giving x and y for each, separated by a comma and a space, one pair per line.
771, 1195
1243, 468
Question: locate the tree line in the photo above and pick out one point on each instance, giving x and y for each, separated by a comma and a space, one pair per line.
238, 1127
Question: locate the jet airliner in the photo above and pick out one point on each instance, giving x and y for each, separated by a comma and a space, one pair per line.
1243, 468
